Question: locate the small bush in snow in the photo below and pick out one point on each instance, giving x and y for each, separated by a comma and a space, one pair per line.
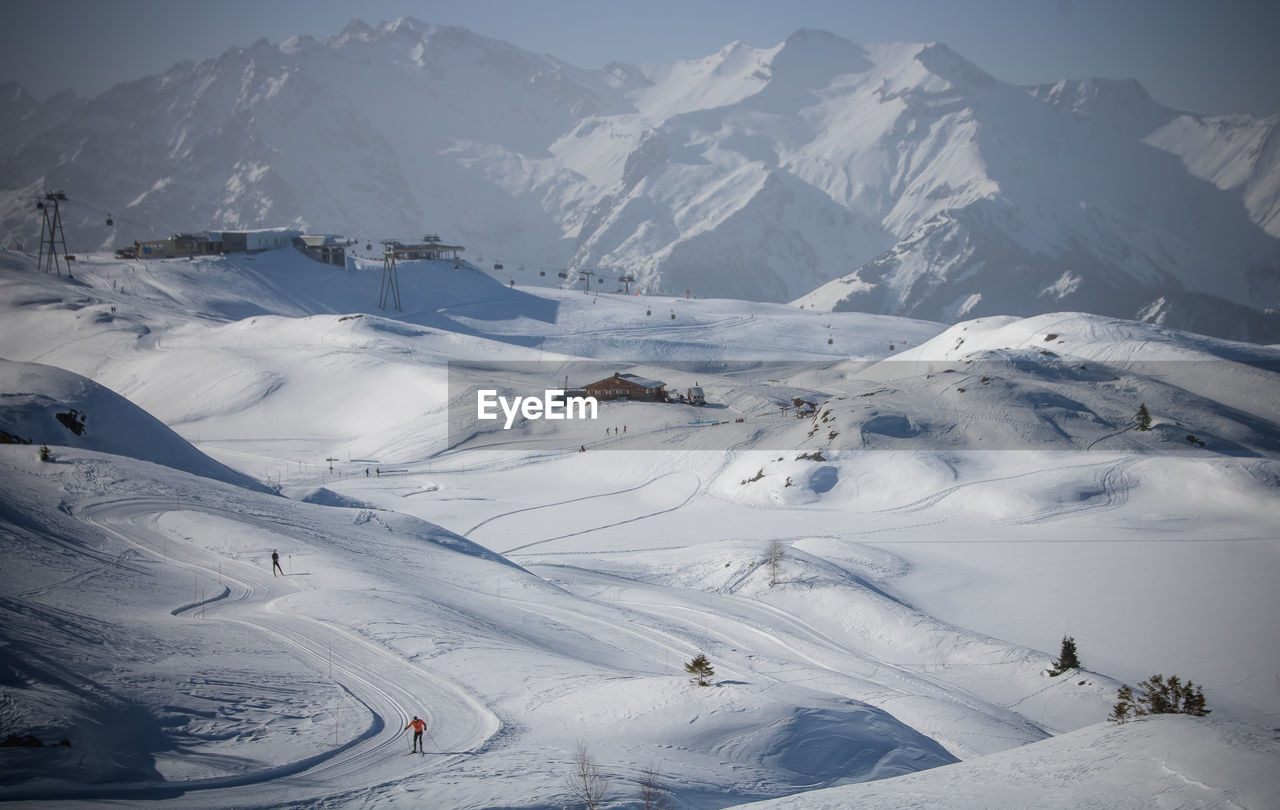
1068, 659
653, 796
773, 556
585, 783
700, 669
45, 455
1159, 696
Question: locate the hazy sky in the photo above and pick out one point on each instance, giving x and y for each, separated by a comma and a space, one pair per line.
1221, 56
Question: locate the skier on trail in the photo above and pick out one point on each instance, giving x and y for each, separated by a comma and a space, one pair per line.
275, 563
418, 725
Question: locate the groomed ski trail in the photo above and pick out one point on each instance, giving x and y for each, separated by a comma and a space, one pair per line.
390, 689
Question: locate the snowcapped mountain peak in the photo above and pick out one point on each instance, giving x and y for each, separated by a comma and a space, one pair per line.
723, 78
1122, 103
941, 60
812, 53
355, 31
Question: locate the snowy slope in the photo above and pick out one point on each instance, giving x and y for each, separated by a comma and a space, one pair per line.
43, 405
523, 596
1167, 762
1237, 153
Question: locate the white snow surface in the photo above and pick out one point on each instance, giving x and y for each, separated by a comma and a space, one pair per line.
961, 498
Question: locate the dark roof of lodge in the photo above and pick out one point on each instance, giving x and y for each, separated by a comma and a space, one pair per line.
635, 380
425, 247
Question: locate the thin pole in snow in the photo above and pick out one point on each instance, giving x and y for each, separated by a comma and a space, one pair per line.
330, 660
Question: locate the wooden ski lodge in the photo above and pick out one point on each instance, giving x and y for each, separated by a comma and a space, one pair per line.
627, 387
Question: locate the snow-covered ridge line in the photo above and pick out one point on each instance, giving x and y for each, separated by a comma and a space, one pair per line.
897, 179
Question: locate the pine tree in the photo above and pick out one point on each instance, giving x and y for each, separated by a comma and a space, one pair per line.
45, 454
1143, 419
1124, 705
700, 669
1159, 696
1067, 657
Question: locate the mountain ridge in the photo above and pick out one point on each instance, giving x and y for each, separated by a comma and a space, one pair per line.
800, 172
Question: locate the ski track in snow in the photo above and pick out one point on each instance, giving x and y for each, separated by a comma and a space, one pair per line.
693, 492
384, 684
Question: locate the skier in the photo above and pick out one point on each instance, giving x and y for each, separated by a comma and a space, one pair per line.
275, 563
418, 725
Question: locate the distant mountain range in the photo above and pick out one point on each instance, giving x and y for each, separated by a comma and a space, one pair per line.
897, 179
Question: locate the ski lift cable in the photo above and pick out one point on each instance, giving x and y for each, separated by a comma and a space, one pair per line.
93, 207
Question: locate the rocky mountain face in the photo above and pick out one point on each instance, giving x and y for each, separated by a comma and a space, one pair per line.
898, 179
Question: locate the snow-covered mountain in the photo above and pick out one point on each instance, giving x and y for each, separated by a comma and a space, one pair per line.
896, 179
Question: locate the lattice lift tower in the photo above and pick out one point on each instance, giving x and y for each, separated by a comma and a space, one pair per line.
390, 278
52, 225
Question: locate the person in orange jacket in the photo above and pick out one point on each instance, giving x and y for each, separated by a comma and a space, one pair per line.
418, 725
